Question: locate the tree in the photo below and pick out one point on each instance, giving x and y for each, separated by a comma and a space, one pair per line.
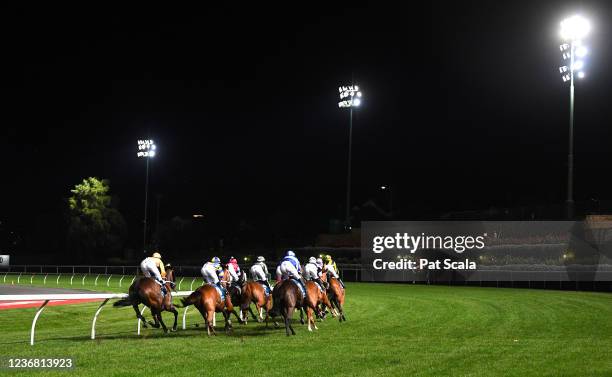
96, 229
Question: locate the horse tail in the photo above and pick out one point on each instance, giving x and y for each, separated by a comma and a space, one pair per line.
123, 302
192, 298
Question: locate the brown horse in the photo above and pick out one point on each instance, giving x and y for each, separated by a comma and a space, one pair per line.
286, 297
148, 292
314, 298
336, 297
208, 302
254, 292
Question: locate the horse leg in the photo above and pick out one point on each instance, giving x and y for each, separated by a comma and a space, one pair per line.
228, 321
161, 321
140, 316
175, 312
253, 314
288, 314
153, 314
302, 316
236, 315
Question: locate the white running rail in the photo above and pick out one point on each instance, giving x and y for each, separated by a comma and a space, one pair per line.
45, 298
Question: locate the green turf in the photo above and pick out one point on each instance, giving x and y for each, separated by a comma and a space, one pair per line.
392, 330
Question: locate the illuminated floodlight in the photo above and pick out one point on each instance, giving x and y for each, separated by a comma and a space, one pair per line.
349, 96
575, 28
564, 47
563, 69
581, 75
578, 65
146, 148
581, 51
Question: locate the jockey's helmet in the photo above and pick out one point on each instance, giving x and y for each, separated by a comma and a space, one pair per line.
215, 260
290, 253
312, 260
261, 259
233, 260
156, 255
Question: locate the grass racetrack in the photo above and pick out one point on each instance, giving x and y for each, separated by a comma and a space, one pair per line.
392, 330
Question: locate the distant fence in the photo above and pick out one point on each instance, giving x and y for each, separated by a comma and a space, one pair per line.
188, 277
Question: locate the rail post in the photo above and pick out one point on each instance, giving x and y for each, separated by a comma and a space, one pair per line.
120, 280
108, 281
185, 317
141, 311
40, 309
96, 282
93, 323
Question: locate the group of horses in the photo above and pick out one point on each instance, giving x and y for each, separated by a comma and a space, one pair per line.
285, 299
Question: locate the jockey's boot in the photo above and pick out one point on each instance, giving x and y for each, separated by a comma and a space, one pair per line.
163, 287
341, 283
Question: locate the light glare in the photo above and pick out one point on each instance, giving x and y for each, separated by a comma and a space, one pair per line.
575, 28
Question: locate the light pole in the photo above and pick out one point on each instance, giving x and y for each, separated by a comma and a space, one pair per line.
146, 149
350, 97
573, 29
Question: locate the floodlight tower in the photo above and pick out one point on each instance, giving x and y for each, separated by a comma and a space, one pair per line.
573, 30
146, 149
350, 97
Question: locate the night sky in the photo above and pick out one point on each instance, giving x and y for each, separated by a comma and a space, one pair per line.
463, 107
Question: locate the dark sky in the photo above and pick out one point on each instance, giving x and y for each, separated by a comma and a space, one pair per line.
463, 106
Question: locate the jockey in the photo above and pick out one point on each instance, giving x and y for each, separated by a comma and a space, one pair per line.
320, 266
211, 272
154, 267
259, 272
234, 271
290, 267
311, 272
332, 269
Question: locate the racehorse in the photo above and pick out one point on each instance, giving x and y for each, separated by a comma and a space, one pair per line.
254, 292
208, 302
336, 297
148, 292
286, 297
314, 297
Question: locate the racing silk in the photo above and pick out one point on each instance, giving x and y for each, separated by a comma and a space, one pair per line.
160, 266
332, 269
263, 267
311, 272
231, 269
294, 261
236, 267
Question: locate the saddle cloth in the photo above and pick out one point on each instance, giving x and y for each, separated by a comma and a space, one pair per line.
300, 286
267, 290
221, 291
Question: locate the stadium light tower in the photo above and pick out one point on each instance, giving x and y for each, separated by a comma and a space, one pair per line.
350, 96
573, 30
146, 149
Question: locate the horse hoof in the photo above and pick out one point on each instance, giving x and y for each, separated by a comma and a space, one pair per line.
174, 329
